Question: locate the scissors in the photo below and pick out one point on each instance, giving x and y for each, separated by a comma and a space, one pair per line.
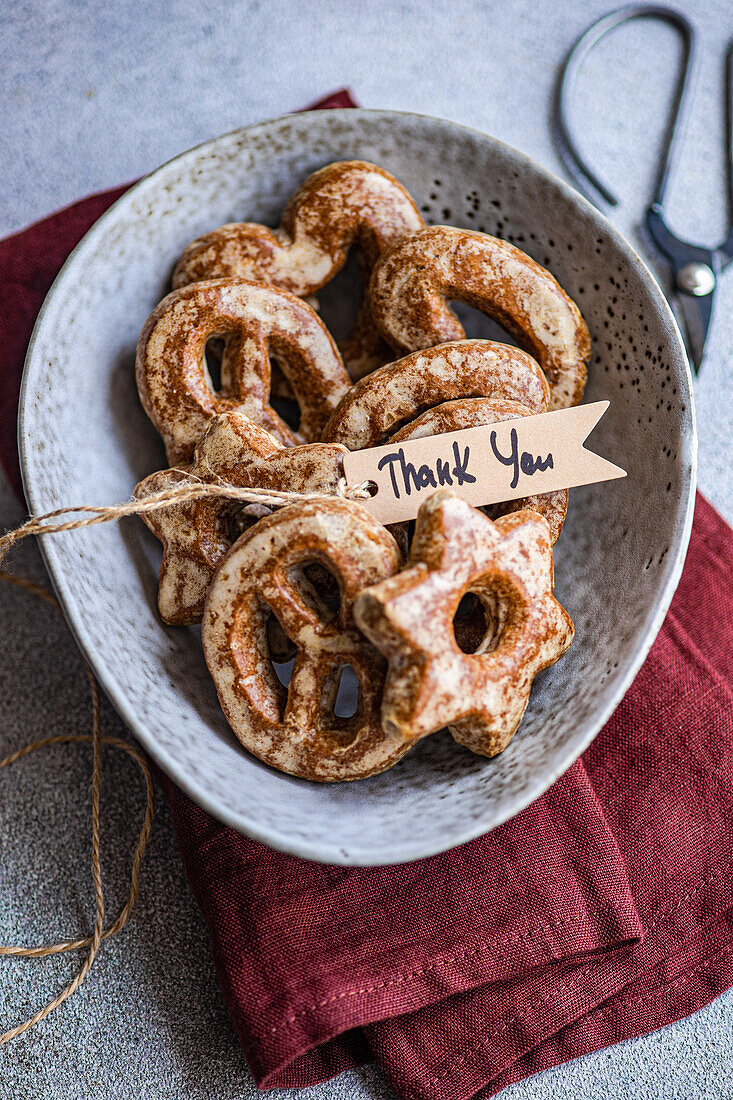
695, 268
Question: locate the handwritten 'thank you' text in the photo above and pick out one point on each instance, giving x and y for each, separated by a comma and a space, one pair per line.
405, 477
408, 476
527, 463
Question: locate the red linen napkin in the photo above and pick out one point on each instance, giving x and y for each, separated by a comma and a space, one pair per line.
601, 912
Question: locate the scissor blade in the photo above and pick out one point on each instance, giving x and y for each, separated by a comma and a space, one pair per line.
696, 315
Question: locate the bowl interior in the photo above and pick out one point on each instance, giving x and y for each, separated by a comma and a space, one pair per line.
85, 439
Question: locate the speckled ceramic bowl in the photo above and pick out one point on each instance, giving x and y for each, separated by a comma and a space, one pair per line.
85, 439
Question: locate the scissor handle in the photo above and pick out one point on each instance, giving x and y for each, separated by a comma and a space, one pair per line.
678, 251
726, 248
577, 167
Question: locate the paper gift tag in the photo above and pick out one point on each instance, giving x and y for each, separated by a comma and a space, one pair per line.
486, 464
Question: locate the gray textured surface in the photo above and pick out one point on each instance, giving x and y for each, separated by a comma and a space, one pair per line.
97, 94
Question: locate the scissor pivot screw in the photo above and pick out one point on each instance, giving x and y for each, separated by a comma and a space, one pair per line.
696, 278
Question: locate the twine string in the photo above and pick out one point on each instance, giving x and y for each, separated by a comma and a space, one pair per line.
99, 934
186, 492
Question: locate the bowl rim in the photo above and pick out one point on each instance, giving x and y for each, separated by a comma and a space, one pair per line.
405, 850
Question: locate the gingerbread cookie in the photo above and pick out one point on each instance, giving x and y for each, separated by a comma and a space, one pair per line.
398, 392
507, 565
196, 535
344, 204
256, 322
414, 280
295, 729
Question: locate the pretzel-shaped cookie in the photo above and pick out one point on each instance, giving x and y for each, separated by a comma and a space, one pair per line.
453, 416
481, 696
256, 321
398, 392
295, 728
413, 281
349, 202
196, 535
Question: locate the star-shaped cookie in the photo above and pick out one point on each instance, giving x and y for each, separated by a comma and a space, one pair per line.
197, 535
507, 567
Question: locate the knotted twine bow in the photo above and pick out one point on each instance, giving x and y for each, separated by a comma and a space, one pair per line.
191, 490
